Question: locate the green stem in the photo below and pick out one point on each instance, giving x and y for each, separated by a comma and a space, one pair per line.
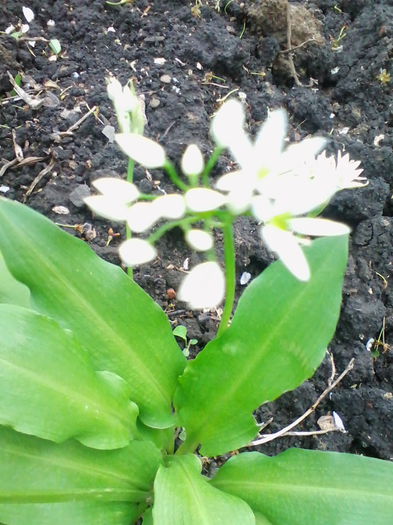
230, 275
170, 169
130, 178
169, 226
210, 165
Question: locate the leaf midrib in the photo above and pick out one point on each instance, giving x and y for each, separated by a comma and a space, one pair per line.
140, 367
208, 423
58, 388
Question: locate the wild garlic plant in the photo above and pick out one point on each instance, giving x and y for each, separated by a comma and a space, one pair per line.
281, 186
103, 420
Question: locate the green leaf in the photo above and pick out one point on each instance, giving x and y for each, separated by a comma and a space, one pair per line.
43, 483
148, 517
55, 46
261, 520
183, 496
122, 328
277, 339
49, 388
11, 290
308, 487
180, 331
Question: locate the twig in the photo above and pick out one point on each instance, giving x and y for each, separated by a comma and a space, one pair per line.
78, 122
289, 50
283, 51
25, 162
270, 437
41, 174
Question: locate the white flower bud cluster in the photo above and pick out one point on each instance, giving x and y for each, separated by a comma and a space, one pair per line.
279, 186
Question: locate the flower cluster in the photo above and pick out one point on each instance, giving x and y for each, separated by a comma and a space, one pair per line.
282, 187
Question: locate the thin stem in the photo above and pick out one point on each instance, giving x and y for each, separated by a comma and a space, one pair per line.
130, 178
169, 226
170, 169
210, 165
230, 275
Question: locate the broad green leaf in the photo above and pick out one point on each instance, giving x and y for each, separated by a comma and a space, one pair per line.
183, 496
261, 520
49, 388
11, 290
308, 487
148, 517
122, 328
43, 483
277, 339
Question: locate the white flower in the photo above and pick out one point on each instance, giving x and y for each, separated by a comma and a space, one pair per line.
129, 107
192, 161
203, 199
344, 170
200, 240
142, 216
145, 151
203, 287
262, 161
136, 251
171, 206
113, 203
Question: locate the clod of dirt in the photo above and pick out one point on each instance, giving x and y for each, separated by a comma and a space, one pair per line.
7, 62
269, 17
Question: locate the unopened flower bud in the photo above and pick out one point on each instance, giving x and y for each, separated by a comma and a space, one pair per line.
144, 151
200, 240
136, 251
192, 161
203, 199
203, 287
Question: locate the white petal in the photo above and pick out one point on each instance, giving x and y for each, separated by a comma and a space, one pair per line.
117, 189
298, 154
171, 206
229, 181
227, 122
203, 199
136, 251
285, 245
240, 186
114, 88
145, 151
192, 162
316, 227
239, 201
203, 287
200, 240
28, 14
107, 207
269, 141
262, 209
142, 216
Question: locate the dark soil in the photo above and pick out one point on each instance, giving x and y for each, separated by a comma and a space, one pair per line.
343, 95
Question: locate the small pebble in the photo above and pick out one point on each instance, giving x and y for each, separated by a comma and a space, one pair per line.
166, 79
171, 294
154, 103
61, 210
78, 194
